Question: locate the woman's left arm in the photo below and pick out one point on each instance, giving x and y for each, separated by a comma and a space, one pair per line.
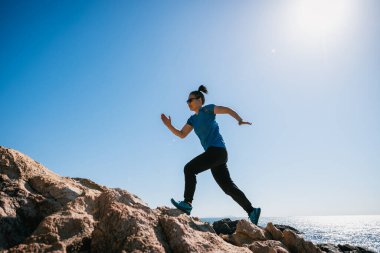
226, 110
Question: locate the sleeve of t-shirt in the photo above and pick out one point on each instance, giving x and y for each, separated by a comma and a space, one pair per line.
209, 108
190, 121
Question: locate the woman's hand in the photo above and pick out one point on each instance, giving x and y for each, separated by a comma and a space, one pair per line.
167, 121
223, 109
241, 122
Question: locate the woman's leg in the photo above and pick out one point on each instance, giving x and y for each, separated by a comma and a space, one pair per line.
212, 157
222, 177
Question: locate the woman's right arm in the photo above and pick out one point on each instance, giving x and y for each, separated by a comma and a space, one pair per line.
180, 133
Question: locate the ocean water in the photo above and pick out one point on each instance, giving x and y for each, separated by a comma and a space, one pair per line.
358, 230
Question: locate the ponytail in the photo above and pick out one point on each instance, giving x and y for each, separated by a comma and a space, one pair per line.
203, 89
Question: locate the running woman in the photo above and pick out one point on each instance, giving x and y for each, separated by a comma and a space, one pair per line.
215, 155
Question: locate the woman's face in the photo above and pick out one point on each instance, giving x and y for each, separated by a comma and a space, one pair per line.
194, 103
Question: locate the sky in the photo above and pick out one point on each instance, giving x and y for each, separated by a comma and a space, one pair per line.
83, 85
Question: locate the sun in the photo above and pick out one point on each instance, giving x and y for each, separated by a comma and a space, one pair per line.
320, 18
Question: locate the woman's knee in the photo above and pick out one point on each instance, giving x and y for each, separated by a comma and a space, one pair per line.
229, 188
188, 169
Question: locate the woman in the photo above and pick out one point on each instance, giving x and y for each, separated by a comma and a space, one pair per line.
215, 155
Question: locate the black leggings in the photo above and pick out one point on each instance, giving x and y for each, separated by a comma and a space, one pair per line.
216, 159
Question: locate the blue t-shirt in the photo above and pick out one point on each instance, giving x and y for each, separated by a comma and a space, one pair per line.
206, 127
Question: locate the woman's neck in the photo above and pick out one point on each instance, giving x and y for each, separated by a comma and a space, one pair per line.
197, 111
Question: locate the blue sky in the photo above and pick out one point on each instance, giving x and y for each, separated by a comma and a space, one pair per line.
83, 84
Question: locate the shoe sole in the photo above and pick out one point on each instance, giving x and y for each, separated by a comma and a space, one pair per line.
178, 207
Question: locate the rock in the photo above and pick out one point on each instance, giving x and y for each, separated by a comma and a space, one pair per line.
350, 248
269, 246
38, 247
331, 248
298, 244
185, 234
283, 227
41, 211
251, 230
245, 233
39, 207
275, 232
225, 226
88, 183
126, 223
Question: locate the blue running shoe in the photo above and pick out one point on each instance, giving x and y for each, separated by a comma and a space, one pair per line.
182, 205
254, 215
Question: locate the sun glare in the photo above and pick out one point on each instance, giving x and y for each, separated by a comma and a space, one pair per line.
320, 18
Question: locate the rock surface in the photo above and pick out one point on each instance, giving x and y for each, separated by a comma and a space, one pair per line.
41, 211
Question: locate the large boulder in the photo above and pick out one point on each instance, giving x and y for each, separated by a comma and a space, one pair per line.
225, 226
274, 231
298, 244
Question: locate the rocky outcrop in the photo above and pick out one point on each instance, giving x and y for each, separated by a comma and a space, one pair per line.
331, 248
41, 211
275, 238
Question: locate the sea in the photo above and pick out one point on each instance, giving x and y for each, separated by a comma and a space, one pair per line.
356, 230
